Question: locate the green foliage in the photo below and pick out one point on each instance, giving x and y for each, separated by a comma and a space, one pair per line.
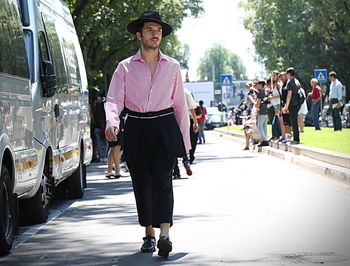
219, 60
305, 34
101, 27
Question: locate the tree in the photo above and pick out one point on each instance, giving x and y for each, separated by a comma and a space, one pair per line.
293, 33
101, 27
219, 60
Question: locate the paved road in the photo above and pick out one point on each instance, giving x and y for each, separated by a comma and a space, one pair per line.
234, 210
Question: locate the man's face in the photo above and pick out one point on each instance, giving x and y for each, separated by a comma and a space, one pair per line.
289, 76
151, 35
331, 78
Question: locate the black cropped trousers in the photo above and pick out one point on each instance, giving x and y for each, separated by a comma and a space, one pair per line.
150, 148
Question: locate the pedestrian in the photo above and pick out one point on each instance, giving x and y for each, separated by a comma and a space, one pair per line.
335, 100
285, 113
115, 152
149, 85
201, 123
261, 107
292, 104
191, 106
276, 101
249, 122
316, 100
302, 112
99, 121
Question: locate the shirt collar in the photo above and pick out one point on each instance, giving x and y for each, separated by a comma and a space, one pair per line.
138, 56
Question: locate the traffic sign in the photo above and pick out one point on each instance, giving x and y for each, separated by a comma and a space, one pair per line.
321, 75
226, 79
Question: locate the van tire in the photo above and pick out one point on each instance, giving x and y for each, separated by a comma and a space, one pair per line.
35, 210
75, 183
7, 212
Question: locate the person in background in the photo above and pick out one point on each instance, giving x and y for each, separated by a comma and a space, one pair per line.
191, 106
201, 122
276, 101
149, 85
115, 153
261, 107
285, 114
302, 112
316, 100
335, 100
99, 121
292, 104
249, 124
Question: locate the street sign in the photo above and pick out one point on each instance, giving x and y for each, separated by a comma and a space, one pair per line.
321, 75
226, 79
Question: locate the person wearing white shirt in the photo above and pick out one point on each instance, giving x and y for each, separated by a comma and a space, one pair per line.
335, 100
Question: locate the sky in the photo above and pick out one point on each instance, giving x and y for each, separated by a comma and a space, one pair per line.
222, 22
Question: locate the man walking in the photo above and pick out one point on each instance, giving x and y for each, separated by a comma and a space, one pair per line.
335, 100
149, 85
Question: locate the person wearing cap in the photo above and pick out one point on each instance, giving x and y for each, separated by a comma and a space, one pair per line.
149, 86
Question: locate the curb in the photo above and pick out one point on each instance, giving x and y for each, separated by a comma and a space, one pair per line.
326, 163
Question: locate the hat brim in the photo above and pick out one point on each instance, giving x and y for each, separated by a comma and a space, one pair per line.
133, 26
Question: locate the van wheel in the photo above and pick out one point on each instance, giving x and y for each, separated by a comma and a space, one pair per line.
6, 212
36, 209
75, 183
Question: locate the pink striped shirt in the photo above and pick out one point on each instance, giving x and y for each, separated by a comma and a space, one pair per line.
133, 86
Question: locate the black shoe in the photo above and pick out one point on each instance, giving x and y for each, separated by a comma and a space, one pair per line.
246, 149
263, 143
149, 244
176, 176
165, 246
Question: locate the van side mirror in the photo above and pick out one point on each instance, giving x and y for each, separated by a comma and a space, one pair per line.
48, 79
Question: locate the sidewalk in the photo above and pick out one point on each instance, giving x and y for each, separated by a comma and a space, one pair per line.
327, 163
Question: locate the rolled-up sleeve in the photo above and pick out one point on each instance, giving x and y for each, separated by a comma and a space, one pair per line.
180, 109
115, 98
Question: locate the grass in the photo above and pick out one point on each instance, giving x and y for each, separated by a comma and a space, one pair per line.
327, 139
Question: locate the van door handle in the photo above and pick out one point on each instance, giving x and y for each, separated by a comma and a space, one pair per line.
57, 110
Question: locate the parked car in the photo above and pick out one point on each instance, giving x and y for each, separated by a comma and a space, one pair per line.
346, 114
215, 118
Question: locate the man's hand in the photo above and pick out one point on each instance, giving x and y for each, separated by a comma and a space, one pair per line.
110, 134
195, 128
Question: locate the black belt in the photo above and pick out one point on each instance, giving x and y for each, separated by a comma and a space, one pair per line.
150, 115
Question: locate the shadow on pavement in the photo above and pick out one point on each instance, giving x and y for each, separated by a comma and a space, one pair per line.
150, 259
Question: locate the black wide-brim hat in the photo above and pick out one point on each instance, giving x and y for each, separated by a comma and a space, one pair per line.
149, 16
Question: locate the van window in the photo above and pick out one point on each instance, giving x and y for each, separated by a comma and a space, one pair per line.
13, 58
44, 52
63, 55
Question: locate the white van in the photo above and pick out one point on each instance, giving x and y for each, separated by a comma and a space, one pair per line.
45, 139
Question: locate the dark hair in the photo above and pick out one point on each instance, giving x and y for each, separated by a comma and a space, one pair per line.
333, 74
201, 102
291, 71
139, 28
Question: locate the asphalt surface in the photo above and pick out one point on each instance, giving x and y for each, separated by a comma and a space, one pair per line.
238, 208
